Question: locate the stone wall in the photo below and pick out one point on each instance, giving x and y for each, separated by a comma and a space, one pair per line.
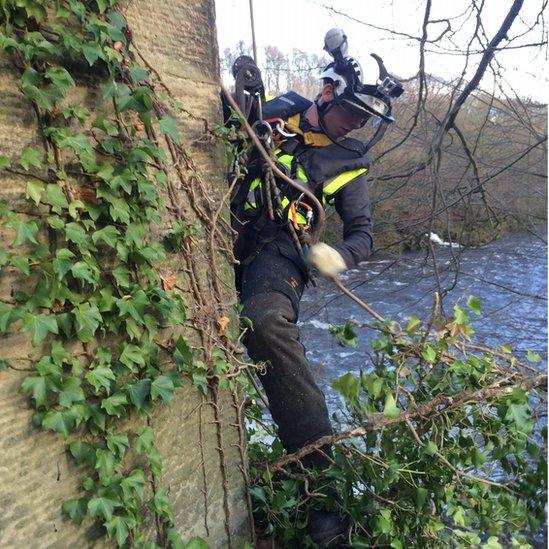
202, 465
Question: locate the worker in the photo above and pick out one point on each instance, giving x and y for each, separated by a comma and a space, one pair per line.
273, 270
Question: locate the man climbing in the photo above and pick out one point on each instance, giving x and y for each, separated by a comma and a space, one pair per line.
275, 261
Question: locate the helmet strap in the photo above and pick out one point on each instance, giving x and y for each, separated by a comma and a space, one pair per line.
322, 110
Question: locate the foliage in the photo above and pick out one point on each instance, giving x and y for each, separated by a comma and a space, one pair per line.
437, 447
95, 189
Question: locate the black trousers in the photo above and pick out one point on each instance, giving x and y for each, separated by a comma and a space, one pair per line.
271, 287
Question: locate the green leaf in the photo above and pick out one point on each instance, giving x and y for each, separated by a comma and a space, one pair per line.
348, 385
345, 335
60, 78
138, 392
430, 448
182, 356
132, 354
413, 324
56, 198
31, 157
109, 235
520, 415
175, 541
429, 354
102, 507
100, 377
162, 387
92, 51
115, 404
168, 126
145, 440
122, 276
474, 304
38, 386
533, 357
82, 452
118, 443
71, 392
196, 543
138, 74
26, 230
83, 271
134, 483
21, 263
35, 189
390, 409
39, 326
4, 162
87, 319
105, 463
62, 422
75, 509
117, 527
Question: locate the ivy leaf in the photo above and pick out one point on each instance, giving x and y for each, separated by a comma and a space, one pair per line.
105, 463
138, 74
182, 355
60, 77
390, 409
38, 386
117, 443
83, 271
87, 319
30, 157
533, 357
62, 422
21, 263
162, 387
39, 326
92, 51
102, 507
100, 377
348, 385
134, 483
82, 452
75, 509
520, 415
196, 543
109, 235
71, 392
131, 355
429, 354
62, 263
138, 392
4, 162
145, 440
168, 126
56, 198
114, 405
474, 304
34, 190
117, 527
27, 230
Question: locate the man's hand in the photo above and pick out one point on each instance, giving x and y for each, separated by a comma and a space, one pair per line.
326, 259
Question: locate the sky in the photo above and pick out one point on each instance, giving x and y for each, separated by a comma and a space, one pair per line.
302, 24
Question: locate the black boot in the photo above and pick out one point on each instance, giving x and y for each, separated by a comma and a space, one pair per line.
326, 528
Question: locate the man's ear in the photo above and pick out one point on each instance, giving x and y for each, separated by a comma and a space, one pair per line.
327, 92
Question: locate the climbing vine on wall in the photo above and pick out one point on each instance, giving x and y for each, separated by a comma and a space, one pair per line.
102, 214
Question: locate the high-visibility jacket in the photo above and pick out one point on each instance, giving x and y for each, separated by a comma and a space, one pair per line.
317, 163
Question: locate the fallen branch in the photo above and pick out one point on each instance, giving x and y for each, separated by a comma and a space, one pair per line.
436, 406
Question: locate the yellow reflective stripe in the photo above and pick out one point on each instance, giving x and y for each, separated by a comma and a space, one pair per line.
333, 185
300, 218
286, 161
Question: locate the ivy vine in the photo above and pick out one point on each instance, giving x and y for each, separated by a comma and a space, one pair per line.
91, 241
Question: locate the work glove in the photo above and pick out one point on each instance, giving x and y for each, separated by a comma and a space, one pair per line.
326, 259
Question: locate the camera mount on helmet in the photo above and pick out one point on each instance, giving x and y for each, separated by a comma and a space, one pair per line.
366, 100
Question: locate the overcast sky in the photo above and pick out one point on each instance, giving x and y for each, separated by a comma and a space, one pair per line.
302, 24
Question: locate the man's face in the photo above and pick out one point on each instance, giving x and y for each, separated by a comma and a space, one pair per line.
340, 121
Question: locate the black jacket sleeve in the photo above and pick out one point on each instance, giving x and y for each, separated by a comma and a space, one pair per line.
352, 203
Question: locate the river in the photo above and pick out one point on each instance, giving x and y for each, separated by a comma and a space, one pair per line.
508, 275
